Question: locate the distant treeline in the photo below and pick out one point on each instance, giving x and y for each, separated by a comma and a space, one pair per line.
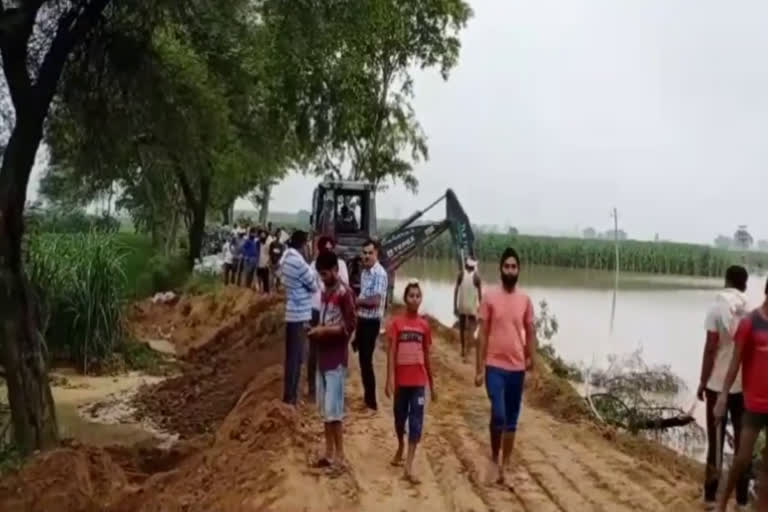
635, 256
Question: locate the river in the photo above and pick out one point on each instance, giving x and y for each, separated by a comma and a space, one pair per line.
662, 315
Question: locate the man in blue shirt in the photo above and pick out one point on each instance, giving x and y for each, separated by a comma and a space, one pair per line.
300, 284
370, 310
251, 252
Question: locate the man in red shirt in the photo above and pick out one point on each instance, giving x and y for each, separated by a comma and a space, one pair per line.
751, 356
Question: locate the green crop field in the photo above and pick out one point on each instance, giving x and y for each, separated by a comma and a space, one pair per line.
635, 256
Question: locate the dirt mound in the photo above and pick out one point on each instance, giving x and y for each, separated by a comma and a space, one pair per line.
235, 351
193, 321
72, 479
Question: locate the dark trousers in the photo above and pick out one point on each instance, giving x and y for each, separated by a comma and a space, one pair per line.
263, 274
312, 358
735, 410
295, 339
365, 340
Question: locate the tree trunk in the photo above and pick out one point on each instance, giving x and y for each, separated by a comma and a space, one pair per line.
198, 210
266, 193
170, 243
22, 347
228, 213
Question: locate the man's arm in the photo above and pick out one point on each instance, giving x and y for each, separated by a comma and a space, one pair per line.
308, 277
380, 291
707, 362
479, 286
531, 342
482, 350
456, 294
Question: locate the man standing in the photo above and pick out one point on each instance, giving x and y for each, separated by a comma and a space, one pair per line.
324, 244
722, 320
300, 283
370, 309
506, 351
750, 355
331, 336
466, 298
251, 251
276, 249
263, 272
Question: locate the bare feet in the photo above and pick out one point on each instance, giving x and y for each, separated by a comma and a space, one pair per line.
493, 473
411, 478
397, 460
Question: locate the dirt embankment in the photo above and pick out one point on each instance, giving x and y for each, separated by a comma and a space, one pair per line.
246, 451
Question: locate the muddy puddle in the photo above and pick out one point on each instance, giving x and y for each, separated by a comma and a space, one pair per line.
98, 410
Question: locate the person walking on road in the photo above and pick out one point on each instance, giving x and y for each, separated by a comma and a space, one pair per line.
370, 309
750, 355
300, 283
408, 373
506, 353
331, 337
324, 243
467, 295
722, 320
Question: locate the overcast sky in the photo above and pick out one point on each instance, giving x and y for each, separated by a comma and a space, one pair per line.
560, 110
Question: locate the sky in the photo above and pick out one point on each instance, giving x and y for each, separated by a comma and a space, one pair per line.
561, 110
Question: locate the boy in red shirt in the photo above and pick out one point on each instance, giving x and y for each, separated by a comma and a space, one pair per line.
331, 336
751, 355
408, 372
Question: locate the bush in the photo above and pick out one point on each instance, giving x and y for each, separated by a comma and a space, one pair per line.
78, 281
56, 220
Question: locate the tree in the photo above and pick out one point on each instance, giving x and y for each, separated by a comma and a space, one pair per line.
36, 40
589, 233
512, 231
372, 133
742, 238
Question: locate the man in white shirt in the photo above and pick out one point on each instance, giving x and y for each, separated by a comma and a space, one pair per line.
723, 317
324, 243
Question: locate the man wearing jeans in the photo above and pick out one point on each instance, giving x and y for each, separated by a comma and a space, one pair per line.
300, 283
370, 309
507, 346
722, 320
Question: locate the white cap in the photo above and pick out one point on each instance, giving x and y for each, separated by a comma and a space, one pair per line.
471, 262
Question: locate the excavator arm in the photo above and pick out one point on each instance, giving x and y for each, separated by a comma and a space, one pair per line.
406, 239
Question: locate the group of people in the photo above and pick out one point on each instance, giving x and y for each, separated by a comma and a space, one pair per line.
322, 309
252, 256
734, 384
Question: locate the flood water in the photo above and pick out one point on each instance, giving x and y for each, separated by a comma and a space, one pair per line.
663, 315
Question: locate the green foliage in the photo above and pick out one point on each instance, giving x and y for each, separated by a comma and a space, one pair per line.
202, 282
140, 357
59, 220
635, 256
78, 281
10, 458
366, 55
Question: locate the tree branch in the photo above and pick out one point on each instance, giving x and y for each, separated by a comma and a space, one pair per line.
72, 28
186, 188
15, 30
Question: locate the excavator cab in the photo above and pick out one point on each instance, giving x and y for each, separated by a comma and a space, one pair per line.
345, 210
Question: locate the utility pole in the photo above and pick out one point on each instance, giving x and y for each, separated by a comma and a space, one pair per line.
615, 216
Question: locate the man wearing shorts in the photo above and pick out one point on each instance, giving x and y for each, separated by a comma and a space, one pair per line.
750, 355
331, 337
466, 297
507, 346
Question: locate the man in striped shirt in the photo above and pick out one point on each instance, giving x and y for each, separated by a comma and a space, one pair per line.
300, 283
370, 309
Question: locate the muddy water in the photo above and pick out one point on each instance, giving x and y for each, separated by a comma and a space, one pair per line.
111, 422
